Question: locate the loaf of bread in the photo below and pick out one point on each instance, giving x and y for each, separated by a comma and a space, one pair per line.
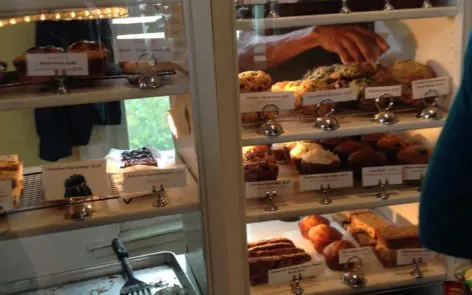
97, 55
387, 256
369, 222
399, 237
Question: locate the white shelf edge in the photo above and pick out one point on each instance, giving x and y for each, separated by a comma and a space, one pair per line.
79, 96
295, 131
306, 203
338, 18
51, 220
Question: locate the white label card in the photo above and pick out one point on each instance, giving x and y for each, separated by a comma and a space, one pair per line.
75, 179
256, 101
334, 180
48, 64
414, 172
286, 274
376, 92
127, 50
142, 181
364, 253
372, 175
258, 189
335, 95
408, 256
431, 87
6, 201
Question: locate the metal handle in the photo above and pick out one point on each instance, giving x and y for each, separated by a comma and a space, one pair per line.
296, 287
122, 255
416, 272
383, 194
331, 111
270, 112
325, 200
431, 97
384, 97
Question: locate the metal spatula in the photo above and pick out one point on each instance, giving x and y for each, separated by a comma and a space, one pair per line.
132, 286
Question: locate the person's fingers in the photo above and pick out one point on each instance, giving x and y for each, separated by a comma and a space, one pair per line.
343, 53
379, 41
353, 49
367, 47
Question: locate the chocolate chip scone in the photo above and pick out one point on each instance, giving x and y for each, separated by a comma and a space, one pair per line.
254, 81
352, 71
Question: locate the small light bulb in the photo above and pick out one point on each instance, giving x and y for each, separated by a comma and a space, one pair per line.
27, 19
87, 13
72, 14
108, 11
13, 21
79, 17
58, 16
1, 24
42, 17
98, 11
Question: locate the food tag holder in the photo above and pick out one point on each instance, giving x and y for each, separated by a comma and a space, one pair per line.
148, 79
161, 194
345, 8
269, 201
79, 209
326, 122
271, 127
432, 110
417, 273
61, 87
427, 4
325, 199
388, 6
385, 116
383, 194
295, 285
354, 277
272, 12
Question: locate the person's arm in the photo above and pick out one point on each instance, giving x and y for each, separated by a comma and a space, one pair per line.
351, 43
446, 199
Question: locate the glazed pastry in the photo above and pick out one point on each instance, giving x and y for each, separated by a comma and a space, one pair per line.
319, 161
97, 55
365, 158
20, 63
404, 72
391, 145
322, 235
299, 150
346, 148
331, 254
310, 221
414, 155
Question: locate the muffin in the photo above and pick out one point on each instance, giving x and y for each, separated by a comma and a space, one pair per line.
252, 151
331, 254
319, 161
331, 143
372, 139
365, 158
253, 81
346, 148
260, 169
97, 55
299, 150
313, 86
391, 145
405, 72
310, 221
278, 150
20, 63
414, 155
322, 235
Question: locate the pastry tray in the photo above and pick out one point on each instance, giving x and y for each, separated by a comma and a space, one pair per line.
159, 269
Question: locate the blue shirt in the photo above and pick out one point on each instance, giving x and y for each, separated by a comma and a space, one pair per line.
446, 200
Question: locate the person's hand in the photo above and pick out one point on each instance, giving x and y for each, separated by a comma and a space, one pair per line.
352, 43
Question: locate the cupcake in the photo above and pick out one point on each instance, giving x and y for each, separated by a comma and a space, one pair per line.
365, 158
260, 169
253, 151
345, 149
299, 150
372, 139
278, 150
414, 155
319, 161
391, 145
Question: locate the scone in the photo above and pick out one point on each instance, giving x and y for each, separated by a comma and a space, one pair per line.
310, 221
405, 72
319, 161
97, 55
253, 81
352, 71
322, 235
331, 254
414, 155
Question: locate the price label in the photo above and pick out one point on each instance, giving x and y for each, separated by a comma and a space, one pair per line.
429, 87
259, 189
6, 201
334, 180
335, 95
48, 64
376, 92
364, 253
372, 175
75, 179
414, 172
141, 181
127, 50
407, 256
256, 101
286, 274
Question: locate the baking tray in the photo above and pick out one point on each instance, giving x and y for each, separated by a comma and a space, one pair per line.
160, 269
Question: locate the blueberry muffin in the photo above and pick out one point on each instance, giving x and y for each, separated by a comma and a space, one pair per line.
391, 145
365, 158
346, 148
414, 155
